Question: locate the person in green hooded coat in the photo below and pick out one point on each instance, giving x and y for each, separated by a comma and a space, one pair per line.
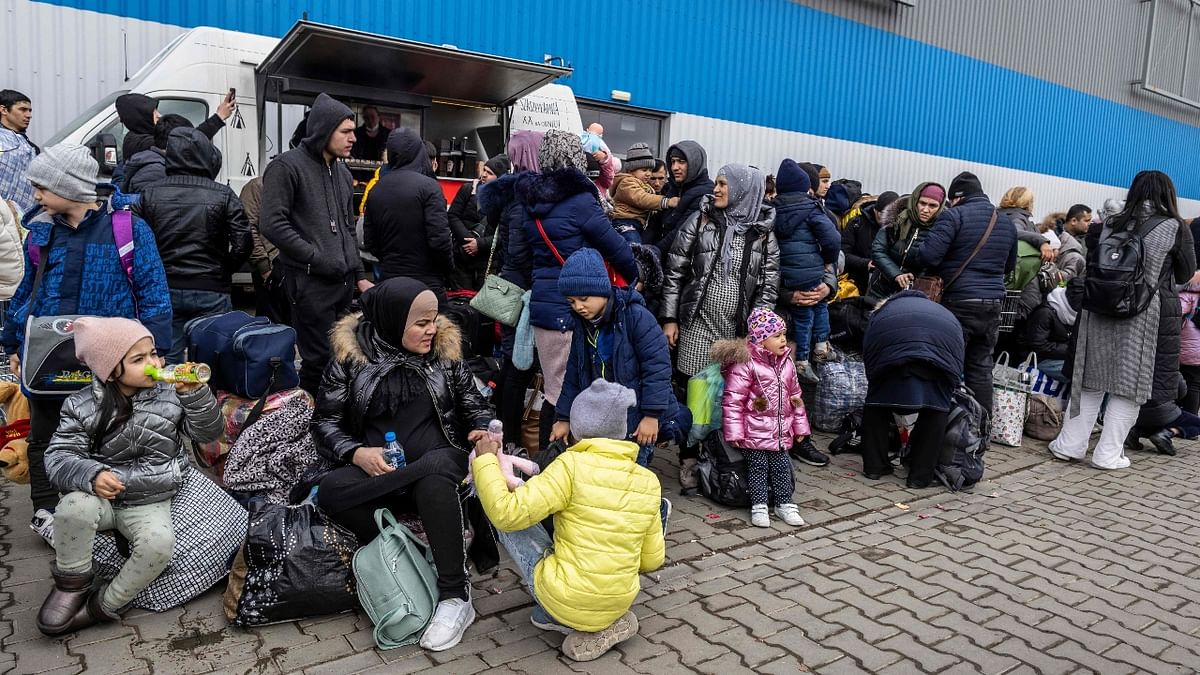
906, 222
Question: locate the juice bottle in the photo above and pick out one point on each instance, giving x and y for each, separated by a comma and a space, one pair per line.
198, 373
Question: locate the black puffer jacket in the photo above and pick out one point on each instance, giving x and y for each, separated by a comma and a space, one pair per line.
693, 259
404, 222
148, 167
696, 184
467, 222
356, 369
203, 235
857, 239
1161, 410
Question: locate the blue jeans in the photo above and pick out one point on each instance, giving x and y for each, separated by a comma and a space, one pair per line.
187, 304
630, 229
527, 548
1053, 368
809, 325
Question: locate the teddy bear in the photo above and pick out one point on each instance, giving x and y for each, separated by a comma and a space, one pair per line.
14, 460
509, 465
13, 402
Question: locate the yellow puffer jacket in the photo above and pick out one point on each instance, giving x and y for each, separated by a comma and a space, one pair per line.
606, 527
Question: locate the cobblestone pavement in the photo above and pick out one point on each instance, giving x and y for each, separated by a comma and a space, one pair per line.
1045, 568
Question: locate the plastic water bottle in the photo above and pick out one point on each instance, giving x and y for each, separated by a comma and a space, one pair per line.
495, 432
392, 451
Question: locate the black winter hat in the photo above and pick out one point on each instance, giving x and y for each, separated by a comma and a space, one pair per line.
499, 165
814, 173
791, 178
838, 199
964, 185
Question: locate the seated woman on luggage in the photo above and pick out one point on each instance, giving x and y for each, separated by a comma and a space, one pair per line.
398, 369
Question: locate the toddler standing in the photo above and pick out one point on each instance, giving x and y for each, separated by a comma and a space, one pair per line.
762, 412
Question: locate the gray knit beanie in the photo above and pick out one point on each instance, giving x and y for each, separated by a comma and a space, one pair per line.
67, 170
638, 157
561, 150
602, 411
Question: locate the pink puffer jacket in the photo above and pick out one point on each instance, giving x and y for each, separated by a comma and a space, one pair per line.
761, 408
1189, 336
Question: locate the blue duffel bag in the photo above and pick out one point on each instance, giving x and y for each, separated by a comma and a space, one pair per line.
250, 356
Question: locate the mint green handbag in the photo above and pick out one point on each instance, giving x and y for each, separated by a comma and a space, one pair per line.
397, 584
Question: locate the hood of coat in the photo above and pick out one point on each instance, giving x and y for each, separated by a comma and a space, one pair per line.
1021, 218
324, 118
406, 151
887, 217
697, 160
548, 189
343, 339
493, 197
1069, 243
729, 352
795, 202
189, 152
137, 112
607, 446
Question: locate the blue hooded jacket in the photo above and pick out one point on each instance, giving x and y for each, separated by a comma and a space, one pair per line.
84, 275
636, 357
808, 241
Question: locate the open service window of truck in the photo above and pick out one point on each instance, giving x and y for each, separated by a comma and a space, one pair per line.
457, 99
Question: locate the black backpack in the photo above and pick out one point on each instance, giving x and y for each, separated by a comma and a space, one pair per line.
722, 472
968, 430
1116, 283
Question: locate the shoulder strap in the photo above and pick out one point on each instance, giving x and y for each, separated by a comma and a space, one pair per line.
978, 247
257, 411
550, 244
495, 240
122, 227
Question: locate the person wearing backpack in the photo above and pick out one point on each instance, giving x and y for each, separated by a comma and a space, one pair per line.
82, 271
1122, 350
972, 247
913, 351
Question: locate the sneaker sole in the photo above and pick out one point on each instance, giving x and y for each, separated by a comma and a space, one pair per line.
457, 638
810, 462
606, 643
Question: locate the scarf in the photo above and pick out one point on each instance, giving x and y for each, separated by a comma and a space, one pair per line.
746, 186
906, 220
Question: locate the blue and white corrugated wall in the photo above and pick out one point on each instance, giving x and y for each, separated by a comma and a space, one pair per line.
887, 94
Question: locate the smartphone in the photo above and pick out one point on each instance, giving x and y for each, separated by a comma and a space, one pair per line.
232, 96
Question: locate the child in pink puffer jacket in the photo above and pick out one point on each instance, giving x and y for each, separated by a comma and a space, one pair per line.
762, 412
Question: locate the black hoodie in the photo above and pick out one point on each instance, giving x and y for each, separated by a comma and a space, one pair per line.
695, 185
307, 204
405, 223
136, 112
202, 233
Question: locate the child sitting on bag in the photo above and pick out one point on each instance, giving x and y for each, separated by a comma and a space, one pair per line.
762, 413
617, 339
608, 525
117, 457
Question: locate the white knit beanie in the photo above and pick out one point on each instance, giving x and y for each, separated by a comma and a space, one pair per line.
67, 170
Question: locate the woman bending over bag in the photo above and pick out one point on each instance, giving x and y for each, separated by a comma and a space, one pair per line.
398, 368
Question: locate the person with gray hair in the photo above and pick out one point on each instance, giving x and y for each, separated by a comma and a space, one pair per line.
609, 522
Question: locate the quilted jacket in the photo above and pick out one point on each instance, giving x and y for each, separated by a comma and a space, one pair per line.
146, 453
761, 408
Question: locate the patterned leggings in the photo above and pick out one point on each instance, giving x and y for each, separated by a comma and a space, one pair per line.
772, 465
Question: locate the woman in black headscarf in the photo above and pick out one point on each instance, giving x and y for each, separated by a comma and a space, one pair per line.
398, 368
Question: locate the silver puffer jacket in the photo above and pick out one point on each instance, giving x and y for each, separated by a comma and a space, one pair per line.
147, 453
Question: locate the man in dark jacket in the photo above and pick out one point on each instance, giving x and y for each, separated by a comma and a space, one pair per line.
972, 263
149, 167
857, 238
405, 223
203, 235
688, 181
307, 212
139, 113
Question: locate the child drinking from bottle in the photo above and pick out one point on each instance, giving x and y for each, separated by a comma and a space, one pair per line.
762, 412
117, 457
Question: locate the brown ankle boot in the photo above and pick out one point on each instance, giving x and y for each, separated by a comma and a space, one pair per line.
66, 599
687, 476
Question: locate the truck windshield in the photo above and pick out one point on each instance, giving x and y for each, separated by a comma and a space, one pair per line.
84, 117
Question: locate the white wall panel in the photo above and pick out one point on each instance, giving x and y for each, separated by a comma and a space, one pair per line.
880, 168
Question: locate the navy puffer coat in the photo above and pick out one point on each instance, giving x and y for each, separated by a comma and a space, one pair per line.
954, 236
808, 240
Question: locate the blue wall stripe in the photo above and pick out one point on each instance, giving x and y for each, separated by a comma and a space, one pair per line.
766, 62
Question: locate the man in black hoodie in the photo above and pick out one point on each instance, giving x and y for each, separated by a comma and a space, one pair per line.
202, 232
139, 114
688, 181
307, 212
405, 223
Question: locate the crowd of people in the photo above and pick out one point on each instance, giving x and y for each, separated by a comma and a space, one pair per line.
638, 275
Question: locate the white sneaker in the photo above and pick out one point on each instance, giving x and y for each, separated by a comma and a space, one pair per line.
450, 621
43, 524
759, 517
790, 514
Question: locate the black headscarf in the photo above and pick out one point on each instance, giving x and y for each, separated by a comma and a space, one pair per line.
385, 316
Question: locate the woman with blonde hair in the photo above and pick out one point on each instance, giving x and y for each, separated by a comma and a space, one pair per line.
1017, 204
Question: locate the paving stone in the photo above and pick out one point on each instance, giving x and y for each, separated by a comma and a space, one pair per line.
869, 656
692, 648
302, 656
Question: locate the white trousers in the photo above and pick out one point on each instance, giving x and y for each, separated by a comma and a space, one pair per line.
1119, 418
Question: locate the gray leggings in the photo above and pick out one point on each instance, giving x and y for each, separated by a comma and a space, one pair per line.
147, 527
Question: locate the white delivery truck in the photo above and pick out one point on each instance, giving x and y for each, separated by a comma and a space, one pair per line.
465, 102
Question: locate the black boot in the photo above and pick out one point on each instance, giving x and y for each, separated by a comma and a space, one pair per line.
1161, 441
68, 597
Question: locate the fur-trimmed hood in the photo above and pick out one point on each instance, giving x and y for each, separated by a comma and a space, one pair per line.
495, 196
887, 217
347, 348
541, 191
729, 351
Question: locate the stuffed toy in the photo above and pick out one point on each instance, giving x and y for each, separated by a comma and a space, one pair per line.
14, 403
14, 460
509, 465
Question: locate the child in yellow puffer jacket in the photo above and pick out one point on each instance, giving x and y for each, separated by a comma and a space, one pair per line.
609, 519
